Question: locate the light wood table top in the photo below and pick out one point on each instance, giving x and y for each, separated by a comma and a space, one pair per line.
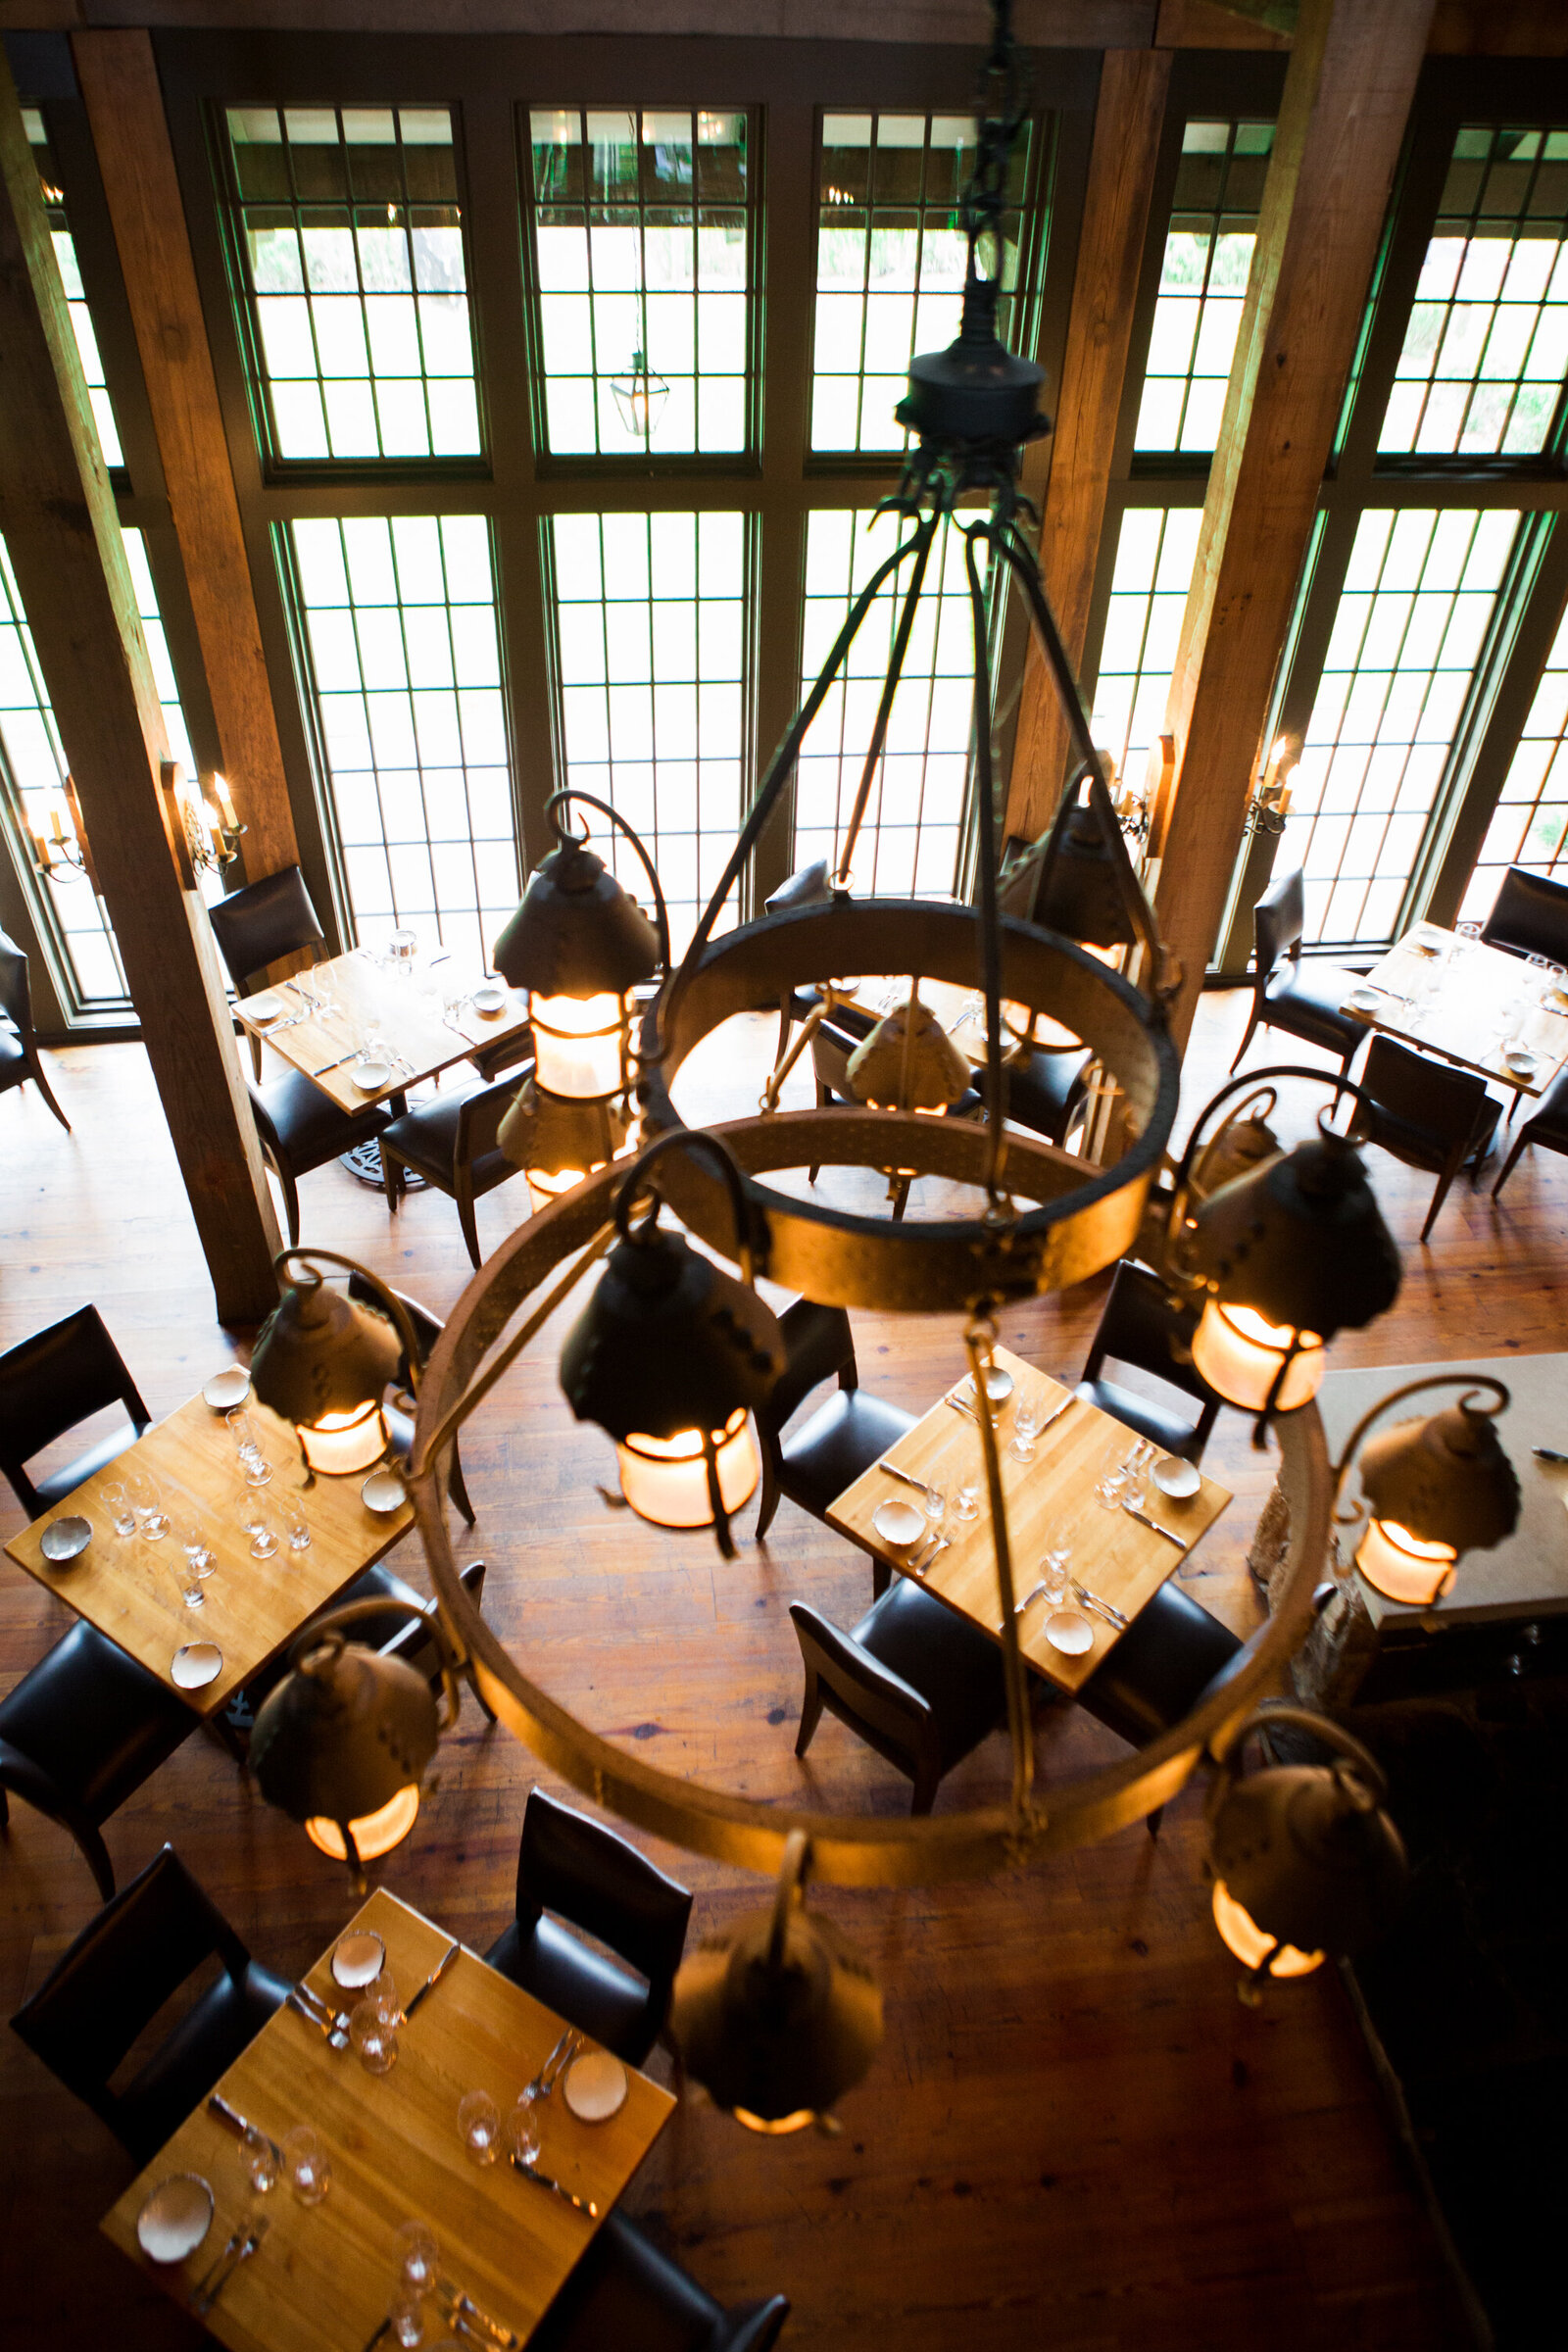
1463, 1018
1049, 1502
324, 2276
129, 1587
411, 1026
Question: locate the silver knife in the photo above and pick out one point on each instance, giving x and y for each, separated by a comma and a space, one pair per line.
336, 1065
1549, 1454
1154, 1527
233, 2121
531, 2171
893, 1471
433, 1979
959, 1407
1070, 1399
203, 2303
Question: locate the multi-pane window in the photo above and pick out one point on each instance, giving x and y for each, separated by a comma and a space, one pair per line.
32, 772
92, 367
1413, 614
1203, 283
400, 621
910, 840
349, 237
651, 647
152, 628
1486, 342
890, 264
1154, 571
1530, 824
642, 252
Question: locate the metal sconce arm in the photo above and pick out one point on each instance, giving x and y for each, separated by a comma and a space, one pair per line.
386, 1298
1182, 1178
1472, 1381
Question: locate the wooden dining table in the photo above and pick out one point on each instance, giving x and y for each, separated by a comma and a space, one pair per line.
324, 2276
420, 1040
130, 1585
1462, 1001
1051, 1504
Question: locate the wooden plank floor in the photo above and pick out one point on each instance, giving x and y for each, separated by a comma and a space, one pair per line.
1074, 2133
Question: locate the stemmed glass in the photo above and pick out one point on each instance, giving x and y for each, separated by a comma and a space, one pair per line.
419, 2255
186, 1577
248, 1445
524, 2133
147, 1501
296, 1527
257, 1522
117, 1503
374, 2032
193, 1539
306, 2161
1026, 1420
934, 1503
967, 1503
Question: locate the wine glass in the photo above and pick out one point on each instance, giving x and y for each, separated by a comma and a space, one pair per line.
296, 1527
419, 2254
1054, 1578
966, 1501
306, 2162
258, 2161
524, 2136
198, 1551
147, 1501
934, 1503
122, 1517
255, 1520
1026, 1420
190, 1590
1108, 1488
478, 2125
374, 2036
406, 2319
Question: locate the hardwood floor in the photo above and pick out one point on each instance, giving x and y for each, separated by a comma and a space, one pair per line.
1074, 2132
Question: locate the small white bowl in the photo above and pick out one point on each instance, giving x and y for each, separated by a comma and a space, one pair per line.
227, 1388
594, 2087
65, 1541
383, 1492
1069, 1633
371, 1076
490, 998
1364, 999
998, 1384
1177, 1478
358, 1958
265, 1008
1522, 1065
176, 2218
195, 1665
898, 1523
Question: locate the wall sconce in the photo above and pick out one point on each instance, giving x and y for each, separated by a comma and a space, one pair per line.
56, 834
1270, 803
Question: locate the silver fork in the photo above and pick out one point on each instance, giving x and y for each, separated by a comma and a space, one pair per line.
544, 2081
334, 2023
1100, 1608
203, 2301
937, 1546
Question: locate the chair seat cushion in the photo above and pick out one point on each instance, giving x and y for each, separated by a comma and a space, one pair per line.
1547, 1123
1046, 1091
579, 1983
843, 1438
427, 1139
1150, 1420
1305, 998
1160, 1667
204, 2046
949, 1662
93, 1720
625, 2296
1418, 1146
308, 1123
62, 1483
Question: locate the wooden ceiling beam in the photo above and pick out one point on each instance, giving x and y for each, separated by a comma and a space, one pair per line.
1343, 114
58, 515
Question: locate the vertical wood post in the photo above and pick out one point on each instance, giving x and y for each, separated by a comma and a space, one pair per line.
120, 86
1346, 98
1128, 122
59, 524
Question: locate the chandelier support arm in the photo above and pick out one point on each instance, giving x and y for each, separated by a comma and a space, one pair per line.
692, 1138
559, 801
996, 1074
1182, 1180
978, 1340
900, 646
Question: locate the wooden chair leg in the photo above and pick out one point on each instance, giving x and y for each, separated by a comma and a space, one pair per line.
457, 1486
1252, 1031
810, 1711
391, 1179
1519, 1143
41, 1082
1451, 1169
465, 1218
291, 1199
256, 1054
927, 1780
881, 1575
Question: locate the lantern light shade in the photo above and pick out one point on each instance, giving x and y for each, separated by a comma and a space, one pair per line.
781, 2019
909, 1062
1254, 1364
373, 1835
665, 1479
1402, 1567
1240, 1933
578, 933
580, 1045
1435, 1487
338, 1444
556, 1138
324, 1362
343, 1735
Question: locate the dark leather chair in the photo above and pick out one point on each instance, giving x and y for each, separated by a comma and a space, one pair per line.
625, 2296
261, 924
427, 1329
1303, 998
81, 1733
843, 1436
1547, 1124
1529, 917
109, 1986
1171, 1655
18, 1047
915, 1681
1424, 1115
395, 1636
593, 1880
50, 1383
1049, 1093
1138, 1325
452, 1143
301, 1128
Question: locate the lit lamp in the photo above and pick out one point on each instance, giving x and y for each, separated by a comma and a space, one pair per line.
559, 1141
1078, 888
1434, 1488
324, 1362
781, 2019
343, 1741
1305, 1861
670, 1357
640, 395
909, 1062
54, 827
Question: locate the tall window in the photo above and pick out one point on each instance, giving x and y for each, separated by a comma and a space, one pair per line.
1203, 283
1152, 573
405, 667
650, 627
1530, 824
92, 367
643, 252
349, 237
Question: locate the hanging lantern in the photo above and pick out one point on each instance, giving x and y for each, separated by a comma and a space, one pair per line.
640, 395
325, 1362
909, 1062
1434, 1488
559, 1141
1078, 887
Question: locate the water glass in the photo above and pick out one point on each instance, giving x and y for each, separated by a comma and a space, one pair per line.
405, 948
419, 2254
117, 1502
479, 2125
967, 1503
1026, 1420
1109, 1491
257, 1522
306, 2162
1466, 936
407, 2319
296, 1527
147, 1501
193, 1541
258, 2161
934, 1503
187, 1583
1132, 1492
524, 2136
374, 2038
382, 1995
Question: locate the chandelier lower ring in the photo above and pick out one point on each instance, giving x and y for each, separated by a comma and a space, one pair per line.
846, 1849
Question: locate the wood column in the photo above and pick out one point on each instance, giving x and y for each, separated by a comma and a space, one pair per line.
1346, 98
1128, 122
124, 102
58, 515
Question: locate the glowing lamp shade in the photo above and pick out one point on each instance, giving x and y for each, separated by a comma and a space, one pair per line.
665, 1479
778, 2126
1402, 1567
1241, 1354
341, 1443
1240, 1933
579, 1044
373, 1834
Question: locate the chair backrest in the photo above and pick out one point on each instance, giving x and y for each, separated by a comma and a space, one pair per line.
413, 1642
1442, 1103
1278, 920
54, 1380
427, 1327
889, 1712
1529, 917
266, 919
818, 1344
831, 1048
16, 997
479, 1120
1138, 1325
118, 1973
585, 1874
